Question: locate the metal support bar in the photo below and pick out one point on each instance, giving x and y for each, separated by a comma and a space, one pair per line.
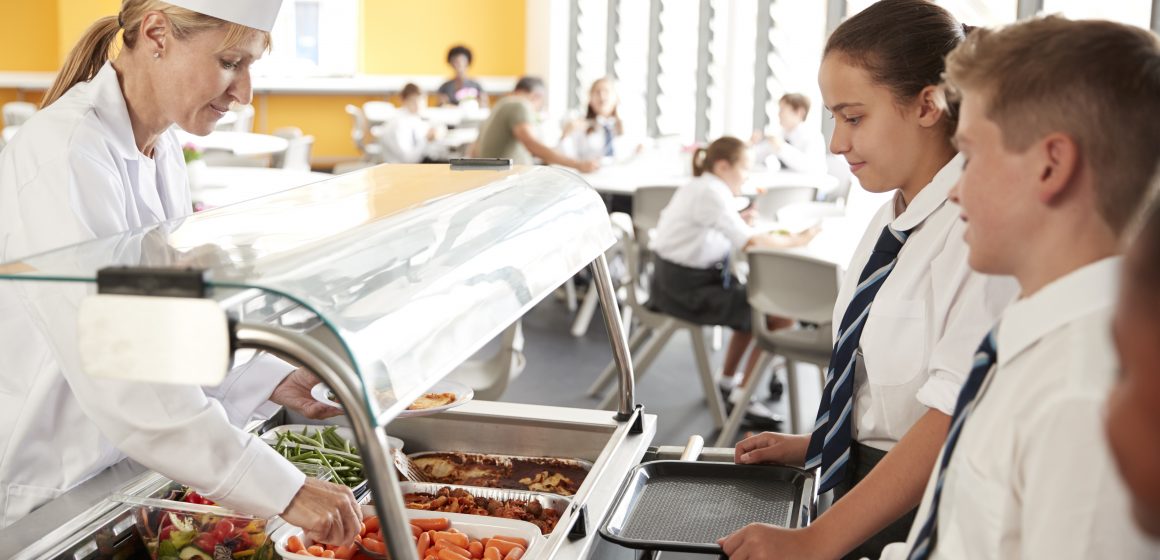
653, 86
626, 404
372, 442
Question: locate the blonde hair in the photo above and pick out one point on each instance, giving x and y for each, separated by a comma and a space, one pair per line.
725, 148
92, 50
1089, 79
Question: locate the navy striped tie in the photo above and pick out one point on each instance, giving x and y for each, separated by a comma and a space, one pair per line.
830, 443
984, 361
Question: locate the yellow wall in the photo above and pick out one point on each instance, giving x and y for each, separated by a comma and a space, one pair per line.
29, 40
413, 37
397, 38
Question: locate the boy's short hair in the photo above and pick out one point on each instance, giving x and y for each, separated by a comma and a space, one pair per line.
1090, 79
529, 84
797, 102
410, 90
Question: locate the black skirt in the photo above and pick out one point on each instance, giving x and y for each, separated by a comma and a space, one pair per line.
699, 295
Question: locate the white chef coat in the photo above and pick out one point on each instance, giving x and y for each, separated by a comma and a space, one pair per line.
804, 151
404, 139
1032, 475
74, 174
927, 319
699, 226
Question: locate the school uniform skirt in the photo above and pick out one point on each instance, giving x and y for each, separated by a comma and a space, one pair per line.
705, 296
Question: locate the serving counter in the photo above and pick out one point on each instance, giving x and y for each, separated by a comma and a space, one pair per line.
381, 281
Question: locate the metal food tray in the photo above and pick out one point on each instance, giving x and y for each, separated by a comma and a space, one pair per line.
497, 459
686, 506
555, 502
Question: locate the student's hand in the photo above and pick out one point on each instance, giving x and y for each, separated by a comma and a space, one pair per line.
776, 142
432, 134
294, 393
758, 541
772, 447
588, 165
748, 215
327, 512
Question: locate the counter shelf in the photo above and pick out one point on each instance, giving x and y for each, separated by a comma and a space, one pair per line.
382, 281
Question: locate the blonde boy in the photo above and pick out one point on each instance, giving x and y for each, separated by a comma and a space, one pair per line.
1057, 158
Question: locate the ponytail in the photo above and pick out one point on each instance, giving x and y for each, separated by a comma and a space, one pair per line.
85, 59
725, 148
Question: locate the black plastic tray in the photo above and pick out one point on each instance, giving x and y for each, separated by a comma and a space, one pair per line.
686, 506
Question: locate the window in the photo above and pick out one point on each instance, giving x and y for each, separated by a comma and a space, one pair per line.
313, 38
1132, 12
677, 75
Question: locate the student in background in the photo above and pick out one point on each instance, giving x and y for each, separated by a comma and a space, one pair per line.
910, 311
798, 147
1058, 161
1132, 425
510, 130
461, 88
596, 135
406, 136
696, 233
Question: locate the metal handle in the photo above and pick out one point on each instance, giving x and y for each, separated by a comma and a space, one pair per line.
626, 404
693, 448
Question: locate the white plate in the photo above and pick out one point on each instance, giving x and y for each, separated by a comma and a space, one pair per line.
476, 526
462, 392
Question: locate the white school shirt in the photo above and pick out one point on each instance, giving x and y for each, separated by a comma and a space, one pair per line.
804, 151
699, 226
584, 145
74, 174
404, 139
1032, 475
927, 319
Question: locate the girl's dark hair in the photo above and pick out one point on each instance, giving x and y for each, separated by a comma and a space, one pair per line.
459, 50
903, 44
725, 148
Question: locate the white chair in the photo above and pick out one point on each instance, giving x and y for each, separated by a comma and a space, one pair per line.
489, 378
798, 287
769, 202
655, 329
297, 154
17, 112
361, 134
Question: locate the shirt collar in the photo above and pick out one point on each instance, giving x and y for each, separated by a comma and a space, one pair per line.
109, 104
1075, 295
715, 182
930, 198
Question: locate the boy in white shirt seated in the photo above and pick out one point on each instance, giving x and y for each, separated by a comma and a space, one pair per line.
406, 137
1057, 161
797, 148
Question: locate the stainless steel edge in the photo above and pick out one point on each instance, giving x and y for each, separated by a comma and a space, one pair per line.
620, 354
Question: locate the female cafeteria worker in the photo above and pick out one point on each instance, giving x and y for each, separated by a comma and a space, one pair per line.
98, 159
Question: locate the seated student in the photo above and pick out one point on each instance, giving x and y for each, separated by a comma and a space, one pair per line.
1132, 425
406, 136
696, 233
910, 310
1058, 159
460, 88
510, 130
798, 147
597, 135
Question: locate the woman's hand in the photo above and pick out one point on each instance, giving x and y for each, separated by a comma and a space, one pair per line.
294, 393
772, 447
327, 512
758, 541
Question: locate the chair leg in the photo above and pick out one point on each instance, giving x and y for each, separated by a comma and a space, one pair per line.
718, 337
791, 388
570, 294
733, 423
650, 353
609, 372
716, 405
585, 314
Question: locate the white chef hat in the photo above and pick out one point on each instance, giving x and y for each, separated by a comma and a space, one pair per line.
259, 14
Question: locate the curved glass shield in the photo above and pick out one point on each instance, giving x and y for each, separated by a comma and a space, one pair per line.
411, 268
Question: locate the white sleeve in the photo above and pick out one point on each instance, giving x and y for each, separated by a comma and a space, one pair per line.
175, 430
248, 386
1069, 500
805, 159
715, 211
970, 305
